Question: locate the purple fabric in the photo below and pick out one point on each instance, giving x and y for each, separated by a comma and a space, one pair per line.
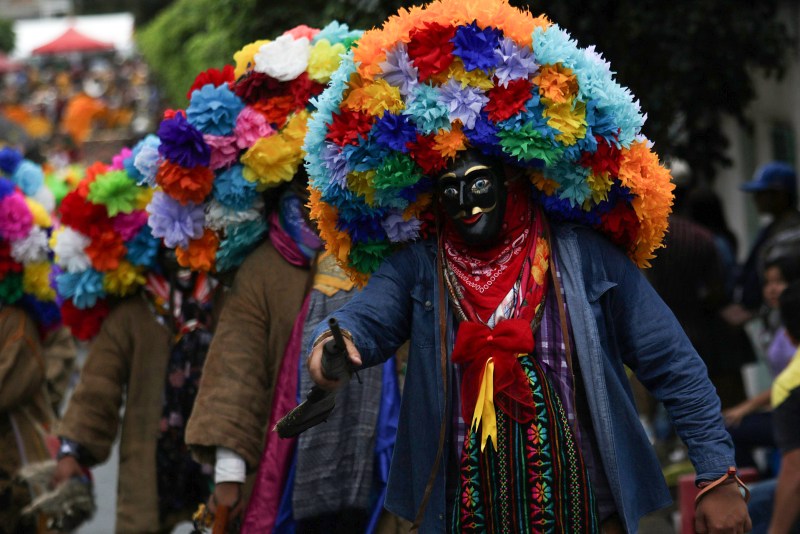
284, 244
779, 352
262, 510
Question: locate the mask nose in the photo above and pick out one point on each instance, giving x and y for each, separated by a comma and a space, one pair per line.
462, 195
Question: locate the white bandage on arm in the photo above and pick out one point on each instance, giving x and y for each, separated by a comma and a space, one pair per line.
229, 467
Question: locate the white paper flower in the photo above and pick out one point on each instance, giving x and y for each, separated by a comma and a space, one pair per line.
284, 59
46, 198
32, 248
70, 250
219, 217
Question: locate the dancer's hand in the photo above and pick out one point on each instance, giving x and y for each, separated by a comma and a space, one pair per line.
66, 468
314, 363
227, 494
721, 511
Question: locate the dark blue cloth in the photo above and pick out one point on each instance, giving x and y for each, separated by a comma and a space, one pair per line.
617, 319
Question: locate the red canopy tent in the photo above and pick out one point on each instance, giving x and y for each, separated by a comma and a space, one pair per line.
72, 41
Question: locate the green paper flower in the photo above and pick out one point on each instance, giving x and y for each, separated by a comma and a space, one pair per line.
116, 191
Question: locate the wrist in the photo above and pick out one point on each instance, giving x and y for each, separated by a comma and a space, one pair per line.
71, 448
728, 479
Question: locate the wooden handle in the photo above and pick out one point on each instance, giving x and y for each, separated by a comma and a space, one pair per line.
221, 520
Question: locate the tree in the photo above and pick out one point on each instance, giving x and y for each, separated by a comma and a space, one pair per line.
7, 36
690, 62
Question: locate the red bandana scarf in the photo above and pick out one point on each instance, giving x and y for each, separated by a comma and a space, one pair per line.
485, 281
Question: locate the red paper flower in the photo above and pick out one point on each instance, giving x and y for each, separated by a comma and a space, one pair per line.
348, 126
604, 160
258, 87
505, 102
83, 215
424, 153
7, 263
304, 89
170, 113
431, 48
84, 324
185, 185
93, 171
212, 76
276, 110
620, 225
106, 250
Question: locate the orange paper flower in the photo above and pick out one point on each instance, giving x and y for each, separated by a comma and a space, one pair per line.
200, 254
185, 185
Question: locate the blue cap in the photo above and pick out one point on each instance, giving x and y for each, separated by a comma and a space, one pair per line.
774, 176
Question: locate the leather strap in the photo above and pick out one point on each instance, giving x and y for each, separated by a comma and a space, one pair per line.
443, 361
729, 477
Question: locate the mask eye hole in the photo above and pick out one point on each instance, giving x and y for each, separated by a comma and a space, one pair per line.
481, 186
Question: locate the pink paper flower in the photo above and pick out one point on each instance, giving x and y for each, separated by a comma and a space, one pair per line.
223, 150
250, 127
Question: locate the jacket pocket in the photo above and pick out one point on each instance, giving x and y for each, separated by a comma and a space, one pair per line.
423, 317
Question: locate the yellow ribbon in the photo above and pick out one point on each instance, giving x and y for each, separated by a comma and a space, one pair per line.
484, 414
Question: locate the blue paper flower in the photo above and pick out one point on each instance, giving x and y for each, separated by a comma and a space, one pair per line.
483, 135
426, 110
572, 180
394, 131
143, 248
553, 45
84, 287
147, 160
47, 314
463, 103
174, 222
232, 190
213, 110
514, 62
9, 159
239, 241
366, 155
182, 143
476, 46
28, 176
398, 70
335, 32
6, 188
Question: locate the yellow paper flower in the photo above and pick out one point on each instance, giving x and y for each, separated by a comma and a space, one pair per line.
600, 185
324, 60
475, 78
567, 118
244, 58
40, 216
363, 184
36, 281
271, 161
375, 98
545, 185
145, 194
124, 280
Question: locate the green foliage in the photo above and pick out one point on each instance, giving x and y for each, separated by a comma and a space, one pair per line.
7, 36
689, 62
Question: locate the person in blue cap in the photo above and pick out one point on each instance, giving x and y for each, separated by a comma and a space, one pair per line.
774, 189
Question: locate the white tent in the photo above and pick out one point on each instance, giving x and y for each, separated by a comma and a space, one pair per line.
115, 28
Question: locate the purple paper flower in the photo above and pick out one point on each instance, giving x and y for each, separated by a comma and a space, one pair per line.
394, 131
399, 230
213, 110
476, 47
335, 161
175, 223
398, 70
182, 143
464, 103
514, 62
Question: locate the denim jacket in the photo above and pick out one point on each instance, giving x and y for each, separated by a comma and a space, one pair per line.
617, 319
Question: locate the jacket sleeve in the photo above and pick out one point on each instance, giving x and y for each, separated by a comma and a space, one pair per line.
654, 346
233, 402
379, 316
21, 362
92, 416
59, 356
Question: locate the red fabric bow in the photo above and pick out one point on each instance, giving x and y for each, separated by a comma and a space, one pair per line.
475, 344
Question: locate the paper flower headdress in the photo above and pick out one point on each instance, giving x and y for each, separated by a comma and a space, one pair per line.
458, 74
104, 247
241, 134
25, 226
